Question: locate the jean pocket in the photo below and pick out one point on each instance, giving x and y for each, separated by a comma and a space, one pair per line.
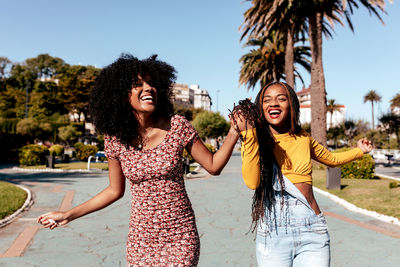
319, 228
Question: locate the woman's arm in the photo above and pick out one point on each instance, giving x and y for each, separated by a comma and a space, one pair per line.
114, 191
250, 159
323, 155
214, 163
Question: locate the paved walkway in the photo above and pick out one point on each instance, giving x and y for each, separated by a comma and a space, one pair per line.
222, 207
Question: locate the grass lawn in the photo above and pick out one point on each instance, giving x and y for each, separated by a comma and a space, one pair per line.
11, 199
373, 194
72, 166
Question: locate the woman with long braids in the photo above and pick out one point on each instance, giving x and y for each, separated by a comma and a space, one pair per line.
276, 163
131, 105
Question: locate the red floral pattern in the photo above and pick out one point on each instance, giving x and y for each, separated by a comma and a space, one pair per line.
162, 228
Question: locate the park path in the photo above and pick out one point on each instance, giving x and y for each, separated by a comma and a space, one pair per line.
222, 208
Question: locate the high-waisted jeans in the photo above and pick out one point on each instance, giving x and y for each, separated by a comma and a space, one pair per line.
292, 234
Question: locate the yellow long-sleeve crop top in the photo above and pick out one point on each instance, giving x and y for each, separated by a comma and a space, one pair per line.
293, 154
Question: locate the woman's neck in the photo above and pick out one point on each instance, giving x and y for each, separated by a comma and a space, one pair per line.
278, 130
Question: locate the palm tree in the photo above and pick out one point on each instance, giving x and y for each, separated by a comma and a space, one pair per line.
331, 107
261, 20
320, 15
372, 97
392, 124
395, 102
265, 63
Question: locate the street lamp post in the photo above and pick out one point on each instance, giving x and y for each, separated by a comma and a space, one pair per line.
217, 100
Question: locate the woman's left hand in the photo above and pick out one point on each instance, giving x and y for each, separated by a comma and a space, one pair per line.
365, 145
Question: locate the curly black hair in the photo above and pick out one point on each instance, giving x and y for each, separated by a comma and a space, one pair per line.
109, 105
264, 196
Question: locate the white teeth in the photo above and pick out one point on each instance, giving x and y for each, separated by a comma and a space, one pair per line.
273, 112
147, 98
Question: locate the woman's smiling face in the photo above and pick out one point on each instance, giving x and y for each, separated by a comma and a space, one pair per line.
276, 108
143, 97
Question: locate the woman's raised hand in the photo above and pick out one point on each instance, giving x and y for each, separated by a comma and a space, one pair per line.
53, 219
243, 116
365, 145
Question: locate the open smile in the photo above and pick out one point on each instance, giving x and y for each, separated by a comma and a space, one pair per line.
147, 99
274, 113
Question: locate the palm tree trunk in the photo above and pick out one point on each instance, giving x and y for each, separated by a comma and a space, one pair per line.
318, 93
289, 59
373, 120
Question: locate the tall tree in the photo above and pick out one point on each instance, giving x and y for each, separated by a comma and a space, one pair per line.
5, 66
391, 123
319, 14
265, 17
372, 97
266, 61
395, 103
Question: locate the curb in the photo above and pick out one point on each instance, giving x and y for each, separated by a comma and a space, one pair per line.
387, 176
55, 170
27, 204
352, 207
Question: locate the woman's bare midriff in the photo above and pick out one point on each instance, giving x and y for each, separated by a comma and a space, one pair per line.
306, 190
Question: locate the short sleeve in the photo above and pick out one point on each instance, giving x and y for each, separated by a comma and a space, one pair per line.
111, 147
189, 133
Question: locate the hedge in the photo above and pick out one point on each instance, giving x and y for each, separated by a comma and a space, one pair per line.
31, 155
56, 150
363, 168
83, 152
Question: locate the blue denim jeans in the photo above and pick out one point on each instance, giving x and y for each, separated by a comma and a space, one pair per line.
292, 234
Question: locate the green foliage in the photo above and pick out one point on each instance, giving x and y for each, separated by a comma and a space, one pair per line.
27, 127
83, 152
78, 145
186, 154
68, 133
394, 185
210, 124
100, 143
56, 150
363, 168
306, 127
34, 129
210, 148
8, 126
31, 155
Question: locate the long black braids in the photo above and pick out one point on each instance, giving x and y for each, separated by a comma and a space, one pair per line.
264, 195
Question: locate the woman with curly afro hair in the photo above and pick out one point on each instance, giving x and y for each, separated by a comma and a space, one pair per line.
131, 105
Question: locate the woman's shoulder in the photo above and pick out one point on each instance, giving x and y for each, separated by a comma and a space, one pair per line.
179, 120
111, 139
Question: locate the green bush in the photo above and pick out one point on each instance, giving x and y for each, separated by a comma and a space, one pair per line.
393, 185
31, 155
56, 150
78, 145
83, 152
186, 154
363, 168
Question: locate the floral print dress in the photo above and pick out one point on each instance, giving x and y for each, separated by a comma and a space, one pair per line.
162, 227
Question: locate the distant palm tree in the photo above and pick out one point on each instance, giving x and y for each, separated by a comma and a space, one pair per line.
392, 124
266, 62
331, 107
395, 102
372, 97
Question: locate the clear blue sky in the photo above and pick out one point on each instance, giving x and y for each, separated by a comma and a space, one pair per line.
201, 40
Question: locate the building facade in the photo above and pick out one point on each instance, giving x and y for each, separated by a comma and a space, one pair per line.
332, 119
191, 96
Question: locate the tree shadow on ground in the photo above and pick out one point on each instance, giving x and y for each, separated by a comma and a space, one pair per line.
48, 177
